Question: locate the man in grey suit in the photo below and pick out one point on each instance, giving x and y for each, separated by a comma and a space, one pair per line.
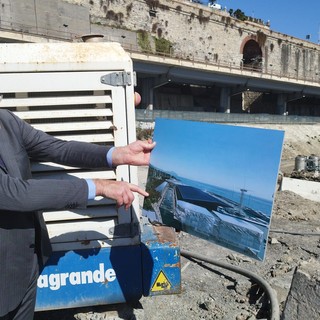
24, 241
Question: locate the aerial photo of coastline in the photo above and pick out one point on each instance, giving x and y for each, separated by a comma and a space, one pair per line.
215, 181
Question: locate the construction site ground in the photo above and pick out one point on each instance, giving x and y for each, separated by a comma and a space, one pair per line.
209, 292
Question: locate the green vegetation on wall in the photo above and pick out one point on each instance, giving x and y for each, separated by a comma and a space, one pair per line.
238, 14
163, 45
144, 41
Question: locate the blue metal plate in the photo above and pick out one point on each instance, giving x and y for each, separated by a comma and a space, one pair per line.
90, 277
161, 261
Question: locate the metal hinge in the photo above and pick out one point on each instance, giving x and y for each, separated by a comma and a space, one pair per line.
118, 78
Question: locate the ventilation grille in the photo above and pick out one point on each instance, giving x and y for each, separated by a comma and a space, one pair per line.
82, 115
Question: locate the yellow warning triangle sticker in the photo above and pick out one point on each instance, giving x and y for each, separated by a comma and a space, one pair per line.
161, 283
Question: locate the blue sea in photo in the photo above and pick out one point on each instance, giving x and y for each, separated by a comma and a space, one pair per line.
250, 201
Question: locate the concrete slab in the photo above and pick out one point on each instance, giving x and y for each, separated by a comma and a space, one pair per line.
307, 189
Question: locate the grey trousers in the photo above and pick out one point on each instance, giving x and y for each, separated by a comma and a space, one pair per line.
25, 310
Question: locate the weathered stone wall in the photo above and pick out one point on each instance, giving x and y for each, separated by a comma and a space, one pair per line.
195, 31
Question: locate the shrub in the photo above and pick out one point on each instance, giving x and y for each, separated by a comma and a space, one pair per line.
163, 45
144, 41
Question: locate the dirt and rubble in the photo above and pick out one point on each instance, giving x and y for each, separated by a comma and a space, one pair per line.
210, 292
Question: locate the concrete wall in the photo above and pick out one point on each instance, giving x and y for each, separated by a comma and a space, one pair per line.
58, 19
307, 189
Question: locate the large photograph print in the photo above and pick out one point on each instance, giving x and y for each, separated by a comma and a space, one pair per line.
215, 181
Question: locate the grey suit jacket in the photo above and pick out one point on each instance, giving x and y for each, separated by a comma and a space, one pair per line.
22, 199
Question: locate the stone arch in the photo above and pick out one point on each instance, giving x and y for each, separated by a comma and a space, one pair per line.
251, 53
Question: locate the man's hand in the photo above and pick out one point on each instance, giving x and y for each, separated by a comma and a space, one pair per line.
120, 191
136, 153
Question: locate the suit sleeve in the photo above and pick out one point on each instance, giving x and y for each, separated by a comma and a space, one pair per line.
42, 195
26, 195
43, 147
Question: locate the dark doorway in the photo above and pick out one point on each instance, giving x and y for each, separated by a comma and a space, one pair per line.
252, 55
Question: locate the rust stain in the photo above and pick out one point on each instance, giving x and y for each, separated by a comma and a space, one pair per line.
174, 265
165, 234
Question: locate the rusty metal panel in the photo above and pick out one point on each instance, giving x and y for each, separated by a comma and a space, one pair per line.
161, 261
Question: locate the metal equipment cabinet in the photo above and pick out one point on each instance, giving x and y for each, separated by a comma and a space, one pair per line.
84, 92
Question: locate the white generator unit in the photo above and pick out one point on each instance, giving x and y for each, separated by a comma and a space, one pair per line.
85, 92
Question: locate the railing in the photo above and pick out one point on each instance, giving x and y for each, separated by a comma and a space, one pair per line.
216, 117
232, 66
226, 65
24, 29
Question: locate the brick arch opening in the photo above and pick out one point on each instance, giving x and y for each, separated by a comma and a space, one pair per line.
251, 54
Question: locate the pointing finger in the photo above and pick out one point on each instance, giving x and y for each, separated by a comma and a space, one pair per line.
135, 188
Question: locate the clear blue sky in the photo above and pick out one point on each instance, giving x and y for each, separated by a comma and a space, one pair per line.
231, 157
292, 17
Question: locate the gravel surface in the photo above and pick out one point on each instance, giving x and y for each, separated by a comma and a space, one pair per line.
210, 292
